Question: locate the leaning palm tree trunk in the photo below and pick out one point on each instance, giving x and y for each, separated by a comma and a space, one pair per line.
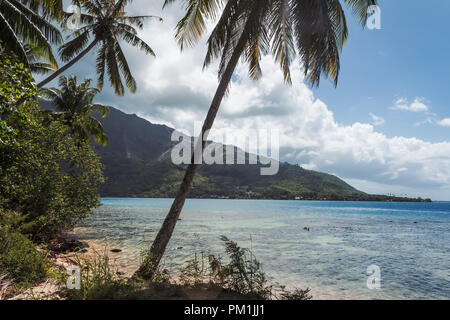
165, 233
67, 65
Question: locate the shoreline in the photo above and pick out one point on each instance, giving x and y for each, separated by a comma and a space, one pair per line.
410, 200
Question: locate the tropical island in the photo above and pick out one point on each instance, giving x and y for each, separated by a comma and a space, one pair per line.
61, 151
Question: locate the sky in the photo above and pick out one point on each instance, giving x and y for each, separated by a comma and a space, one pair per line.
385, 129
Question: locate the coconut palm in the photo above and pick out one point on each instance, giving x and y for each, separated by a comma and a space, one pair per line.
316, 30
27, 21
104, 24
74, 107
37, 60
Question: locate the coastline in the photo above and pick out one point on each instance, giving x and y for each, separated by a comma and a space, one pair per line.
385, 199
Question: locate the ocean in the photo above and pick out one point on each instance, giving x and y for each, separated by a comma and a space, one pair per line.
408, 243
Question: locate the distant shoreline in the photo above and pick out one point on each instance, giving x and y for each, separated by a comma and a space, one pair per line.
393, 199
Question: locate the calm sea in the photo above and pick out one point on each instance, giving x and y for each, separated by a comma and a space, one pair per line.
409, 242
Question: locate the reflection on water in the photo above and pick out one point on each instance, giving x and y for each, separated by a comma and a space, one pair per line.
410, 242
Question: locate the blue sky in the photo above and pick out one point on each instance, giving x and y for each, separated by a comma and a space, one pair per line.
407, 58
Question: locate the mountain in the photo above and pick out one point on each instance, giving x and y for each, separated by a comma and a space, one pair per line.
137, 164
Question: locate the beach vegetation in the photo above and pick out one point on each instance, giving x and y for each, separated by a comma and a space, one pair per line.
20, 263
99, 280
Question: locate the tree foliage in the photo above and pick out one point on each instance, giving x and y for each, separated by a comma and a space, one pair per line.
28, 22
313, 30
74, 107
47, 177
104, 23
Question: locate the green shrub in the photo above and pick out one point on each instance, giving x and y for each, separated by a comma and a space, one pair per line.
242, 274
200, 269
20, 259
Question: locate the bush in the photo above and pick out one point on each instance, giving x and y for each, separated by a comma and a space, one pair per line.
244, 273
20, 259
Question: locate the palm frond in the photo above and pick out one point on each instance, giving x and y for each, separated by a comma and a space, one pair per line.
226, 31
72, 48
135, 41
360, 7
49, 8
50, 32
281, 35
34, 57
55, 96
192, 26
10, 39
28, 27
95, 128
317, 44
124, 68
113, 69
99, 108
100, 65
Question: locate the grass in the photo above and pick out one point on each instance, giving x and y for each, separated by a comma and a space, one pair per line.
20, 259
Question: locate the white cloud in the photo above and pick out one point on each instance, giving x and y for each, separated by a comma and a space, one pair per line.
377, 121
417, 105
444, 122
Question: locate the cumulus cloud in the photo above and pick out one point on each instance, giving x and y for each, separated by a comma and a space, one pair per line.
377, 121
444, 122
418, 105
173, 90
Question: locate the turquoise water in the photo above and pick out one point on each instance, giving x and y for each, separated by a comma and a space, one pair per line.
409, 242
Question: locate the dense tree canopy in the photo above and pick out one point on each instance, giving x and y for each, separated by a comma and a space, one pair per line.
47, 178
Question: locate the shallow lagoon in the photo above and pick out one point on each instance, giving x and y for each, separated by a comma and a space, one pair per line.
410, 242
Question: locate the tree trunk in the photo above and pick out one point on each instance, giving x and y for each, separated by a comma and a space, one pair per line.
68, 65
165, 233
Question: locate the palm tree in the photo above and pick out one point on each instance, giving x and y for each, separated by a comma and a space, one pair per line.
36, 60
26, 21
315, 29
74, 107
105, 23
